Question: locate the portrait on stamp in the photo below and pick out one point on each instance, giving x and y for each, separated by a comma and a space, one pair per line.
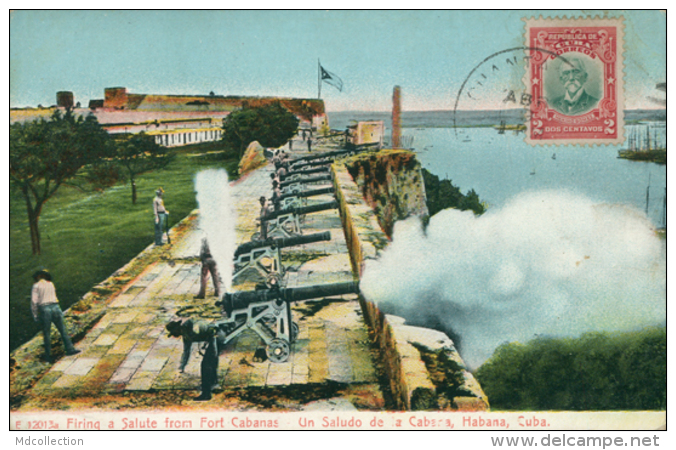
573, 85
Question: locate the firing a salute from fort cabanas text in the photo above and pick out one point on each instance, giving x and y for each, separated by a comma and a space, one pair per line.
161, 216
46, 310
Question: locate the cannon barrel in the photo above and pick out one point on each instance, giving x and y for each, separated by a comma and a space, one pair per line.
302, 210
316, 178
309, 193
298, 167
332, 154
312, 169
283, 242
240, 300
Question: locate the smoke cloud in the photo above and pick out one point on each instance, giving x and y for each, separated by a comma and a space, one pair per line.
547, 263
217, 219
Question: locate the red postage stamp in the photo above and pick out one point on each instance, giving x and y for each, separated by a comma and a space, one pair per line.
575, 77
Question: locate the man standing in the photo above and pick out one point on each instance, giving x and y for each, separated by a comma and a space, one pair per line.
276, 195
281, 171
199, 331
46, 310
161, 214
576, 100
208, 266
265, 210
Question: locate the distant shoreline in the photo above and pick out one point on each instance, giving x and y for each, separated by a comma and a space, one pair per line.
463, 119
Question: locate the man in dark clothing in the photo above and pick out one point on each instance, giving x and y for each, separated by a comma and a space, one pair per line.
276, 195
281, 172
265, 210
208, 266
199, 331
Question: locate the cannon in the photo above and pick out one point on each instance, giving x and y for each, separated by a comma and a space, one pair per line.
297, 186
306, 180
319, 156
297, 162
268, 313
306, 165
293, 200
317, 164
252, 254
298, 174
286, 222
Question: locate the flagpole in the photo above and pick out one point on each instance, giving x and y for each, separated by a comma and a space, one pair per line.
319, 79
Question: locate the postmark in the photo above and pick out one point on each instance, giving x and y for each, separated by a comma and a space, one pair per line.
574, 78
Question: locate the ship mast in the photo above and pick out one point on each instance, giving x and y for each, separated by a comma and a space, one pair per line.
647, 195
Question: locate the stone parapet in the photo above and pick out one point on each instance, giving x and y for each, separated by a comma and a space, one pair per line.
424, 369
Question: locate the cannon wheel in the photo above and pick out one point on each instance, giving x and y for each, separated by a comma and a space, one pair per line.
278, 350
274, 279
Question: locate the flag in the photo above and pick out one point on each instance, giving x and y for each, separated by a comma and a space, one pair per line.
331, 78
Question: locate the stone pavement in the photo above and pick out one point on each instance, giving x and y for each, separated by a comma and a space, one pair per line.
129, 350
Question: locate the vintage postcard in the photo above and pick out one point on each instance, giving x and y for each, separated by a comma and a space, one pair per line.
338, 220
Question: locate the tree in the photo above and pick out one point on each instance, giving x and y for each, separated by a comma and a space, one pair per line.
442, 194
271, 125
140, 153
45, 154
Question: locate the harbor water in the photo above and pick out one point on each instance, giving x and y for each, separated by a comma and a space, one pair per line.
500, 166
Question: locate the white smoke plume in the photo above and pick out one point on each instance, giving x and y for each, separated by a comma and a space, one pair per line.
217, 219
547, 263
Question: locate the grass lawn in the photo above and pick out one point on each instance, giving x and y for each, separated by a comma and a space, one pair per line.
88, 236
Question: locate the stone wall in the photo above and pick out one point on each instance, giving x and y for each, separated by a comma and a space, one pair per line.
391, 183
423, 366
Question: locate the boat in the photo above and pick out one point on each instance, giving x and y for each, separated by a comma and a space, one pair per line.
516, 128
643, 144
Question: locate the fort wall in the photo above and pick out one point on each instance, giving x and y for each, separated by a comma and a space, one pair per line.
424, 368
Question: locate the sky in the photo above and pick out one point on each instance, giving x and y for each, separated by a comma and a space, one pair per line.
428, 53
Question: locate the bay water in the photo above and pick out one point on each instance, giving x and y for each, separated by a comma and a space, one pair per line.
500, 166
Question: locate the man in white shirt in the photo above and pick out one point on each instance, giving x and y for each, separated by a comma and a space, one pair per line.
161, 214
46, 310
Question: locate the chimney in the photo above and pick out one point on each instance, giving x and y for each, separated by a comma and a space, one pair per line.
396, 117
